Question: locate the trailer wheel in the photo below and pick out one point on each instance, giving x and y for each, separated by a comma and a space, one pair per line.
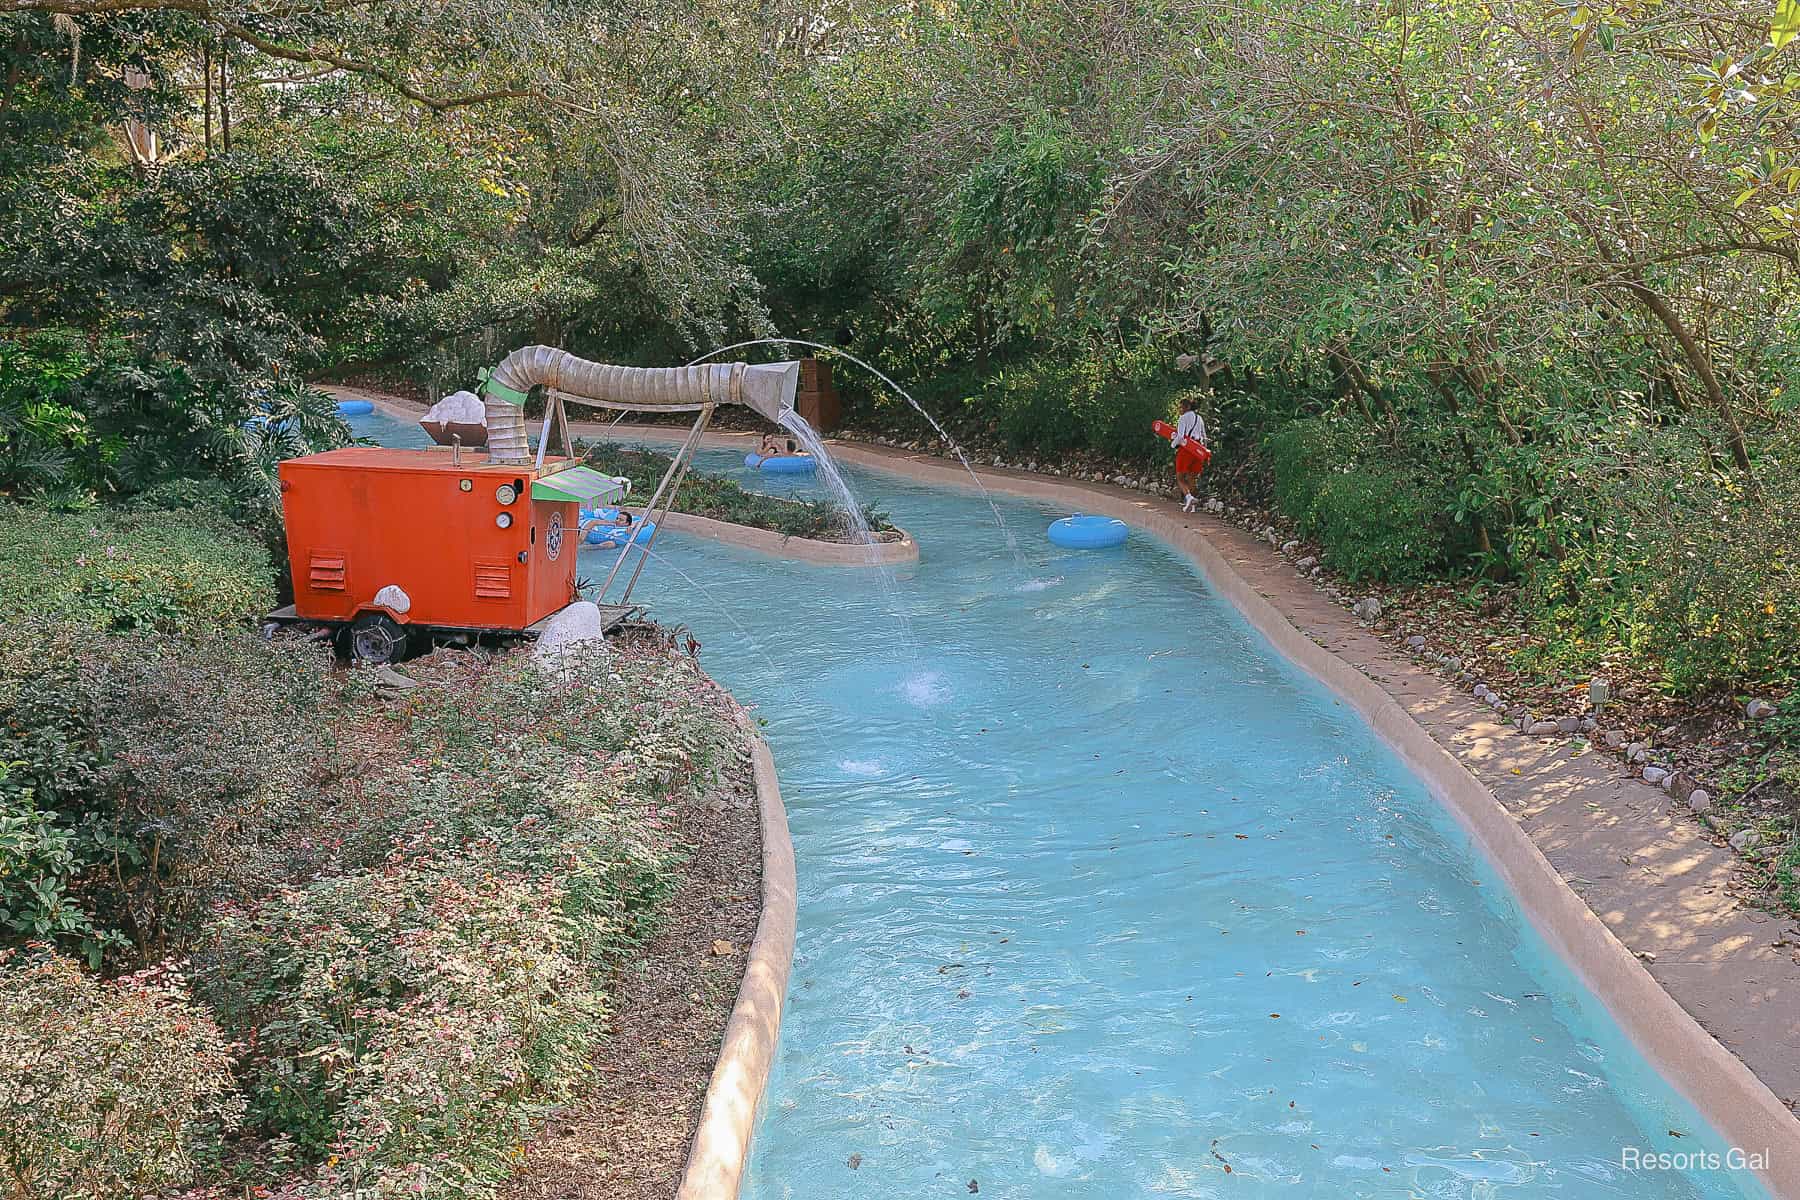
375, 638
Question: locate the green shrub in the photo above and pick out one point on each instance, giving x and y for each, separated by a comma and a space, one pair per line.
1374, 519
145, 775
115, 569
106, 1089
410, 1018
1694, 578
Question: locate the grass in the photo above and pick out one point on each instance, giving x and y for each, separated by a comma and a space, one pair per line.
723, 499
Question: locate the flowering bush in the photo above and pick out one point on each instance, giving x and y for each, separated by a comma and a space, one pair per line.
106, 1089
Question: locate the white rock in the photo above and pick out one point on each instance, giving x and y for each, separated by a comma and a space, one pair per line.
1453, 663
393, 597
1367, 609
1745, 839
1756, 710
1120, 480
1496, 701
1415, 642
1637, 751
578, 624
1588, 724
1567, 724
1214, 504
1307, 563
1613, 739
1289, 547
1543, 727
1700, 801
1655, 774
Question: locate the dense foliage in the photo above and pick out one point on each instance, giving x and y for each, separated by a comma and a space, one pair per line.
404, 918
114, 569
1467, 288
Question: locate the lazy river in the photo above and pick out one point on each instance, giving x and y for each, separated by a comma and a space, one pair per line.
1100, 897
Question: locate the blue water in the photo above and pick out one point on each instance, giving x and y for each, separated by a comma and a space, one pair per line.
1099, 897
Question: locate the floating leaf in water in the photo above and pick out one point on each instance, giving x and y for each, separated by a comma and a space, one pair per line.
854, 1161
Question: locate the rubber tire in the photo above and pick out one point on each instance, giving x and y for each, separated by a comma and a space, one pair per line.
375, 639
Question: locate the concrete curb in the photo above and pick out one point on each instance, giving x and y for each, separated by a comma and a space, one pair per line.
721, 1146
767, 541
1745, 1112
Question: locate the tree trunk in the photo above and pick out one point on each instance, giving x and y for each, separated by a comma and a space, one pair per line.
1701, 364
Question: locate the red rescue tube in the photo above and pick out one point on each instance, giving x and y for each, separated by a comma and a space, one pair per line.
1163, 429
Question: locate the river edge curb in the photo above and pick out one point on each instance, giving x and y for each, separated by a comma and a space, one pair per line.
720, 1149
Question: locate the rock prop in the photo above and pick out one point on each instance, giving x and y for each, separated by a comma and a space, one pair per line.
1756, 710
580, 624
460, 415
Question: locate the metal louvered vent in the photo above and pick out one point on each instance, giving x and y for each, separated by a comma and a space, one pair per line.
493, 579
327, 571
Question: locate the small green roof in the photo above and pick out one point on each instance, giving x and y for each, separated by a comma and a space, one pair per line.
582, 484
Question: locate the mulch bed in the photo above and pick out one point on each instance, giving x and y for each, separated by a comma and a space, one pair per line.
627, 1138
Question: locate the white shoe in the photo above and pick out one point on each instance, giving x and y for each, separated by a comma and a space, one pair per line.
1187, 505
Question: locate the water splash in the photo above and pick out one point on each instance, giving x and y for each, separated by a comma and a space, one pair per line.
1012, 543
857, 520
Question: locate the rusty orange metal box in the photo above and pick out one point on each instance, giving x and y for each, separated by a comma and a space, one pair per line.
467, 544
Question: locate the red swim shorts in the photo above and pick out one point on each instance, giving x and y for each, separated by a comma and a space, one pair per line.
1192, 459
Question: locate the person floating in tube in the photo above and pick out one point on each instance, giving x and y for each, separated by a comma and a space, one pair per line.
1191, 454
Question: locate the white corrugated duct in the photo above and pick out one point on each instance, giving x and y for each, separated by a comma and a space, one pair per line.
767, 388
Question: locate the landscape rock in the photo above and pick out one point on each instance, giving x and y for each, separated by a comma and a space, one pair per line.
1543, 727
394, 681
1655, 774
1214, 504
1756, 710
1415, 642
1745, 839
1700, 800
1307, 563
1367, 609
1588, 724
1568, 724
577, 625
1613, 739
1453, 663
1637, 751
1289, 547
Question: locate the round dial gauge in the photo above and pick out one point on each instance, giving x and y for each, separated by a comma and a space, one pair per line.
467, 485
505, 493
504, 520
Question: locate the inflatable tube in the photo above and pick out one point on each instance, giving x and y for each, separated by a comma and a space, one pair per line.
781, 464
1084, 532
614, 535
354, 408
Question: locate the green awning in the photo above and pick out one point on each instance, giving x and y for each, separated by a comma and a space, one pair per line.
582, 484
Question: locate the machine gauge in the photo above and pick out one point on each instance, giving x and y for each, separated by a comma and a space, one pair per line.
505, 493
467, 485
504, 520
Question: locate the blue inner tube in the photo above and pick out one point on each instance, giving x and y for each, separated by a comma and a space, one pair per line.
615, 535
1084, 531
781, 464
354, 408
